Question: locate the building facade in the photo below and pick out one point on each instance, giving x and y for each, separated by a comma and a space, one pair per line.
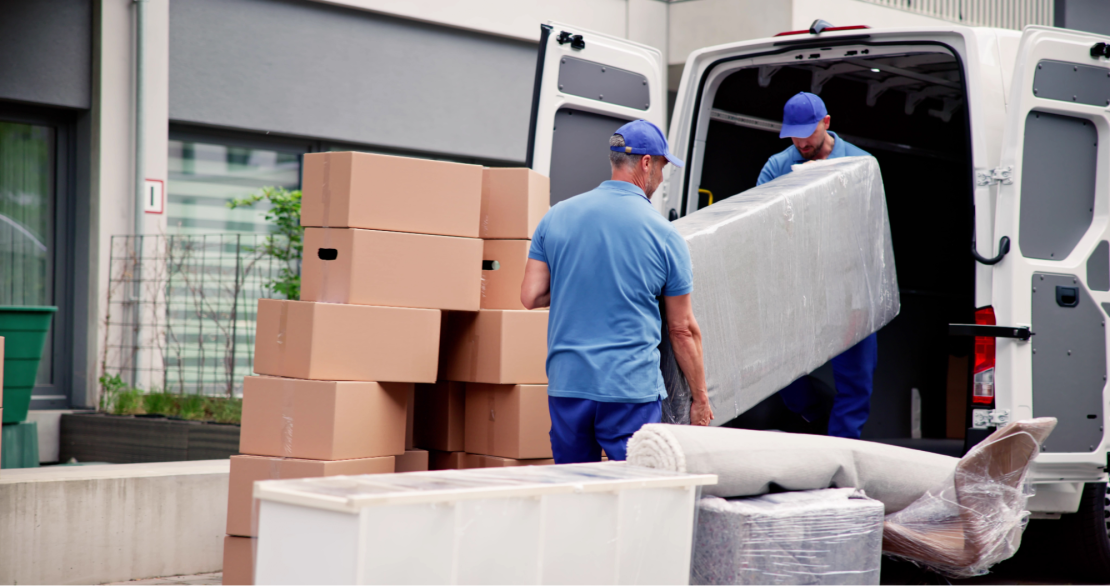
112, 124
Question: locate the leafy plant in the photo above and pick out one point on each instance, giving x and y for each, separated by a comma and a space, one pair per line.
286, 242
118, 397
160, 403
191, 407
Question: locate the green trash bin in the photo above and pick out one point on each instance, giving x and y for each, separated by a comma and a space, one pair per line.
19, 445
24, 331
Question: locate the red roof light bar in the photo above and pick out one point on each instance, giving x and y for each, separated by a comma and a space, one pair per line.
831, 29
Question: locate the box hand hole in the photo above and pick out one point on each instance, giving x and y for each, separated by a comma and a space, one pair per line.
327, 254
1067, 296
490, 265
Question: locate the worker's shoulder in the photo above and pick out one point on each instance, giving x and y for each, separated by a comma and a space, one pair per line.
851, 150
780, 162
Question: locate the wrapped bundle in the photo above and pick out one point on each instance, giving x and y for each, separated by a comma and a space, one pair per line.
955, 517
750, 463
831, 536
786, 276
974, 519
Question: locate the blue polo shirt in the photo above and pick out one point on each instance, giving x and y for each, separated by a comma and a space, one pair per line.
781, 164
611, 255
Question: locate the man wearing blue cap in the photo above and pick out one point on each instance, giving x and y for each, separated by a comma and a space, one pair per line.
806, 122
601, 260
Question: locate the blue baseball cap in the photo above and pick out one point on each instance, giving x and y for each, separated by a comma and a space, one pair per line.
801, 115
644, 138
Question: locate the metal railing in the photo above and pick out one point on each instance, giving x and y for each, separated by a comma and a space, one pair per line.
1011, 14
181, 310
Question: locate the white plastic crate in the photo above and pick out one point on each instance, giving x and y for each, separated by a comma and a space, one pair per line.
604, 523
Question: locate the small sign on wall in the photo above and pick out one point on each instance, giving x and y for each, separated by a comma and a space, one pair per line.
154, 199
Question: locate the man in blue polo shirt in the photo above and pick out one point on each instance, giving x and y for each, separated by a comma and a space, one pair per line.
806, 122
601, 260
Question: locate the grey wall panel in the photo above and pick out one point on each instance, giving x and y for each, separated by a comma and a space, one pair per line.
580, 152
1098, 268
46, 52
1069, 362
1058, 169
309, 69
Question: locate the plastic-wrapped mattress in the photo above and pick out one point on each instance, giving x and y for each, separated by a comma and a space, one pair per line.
832, 536
786, 276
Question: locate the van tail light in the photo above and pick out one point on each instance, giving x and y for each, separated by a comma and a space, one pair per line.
831, 29
982, 390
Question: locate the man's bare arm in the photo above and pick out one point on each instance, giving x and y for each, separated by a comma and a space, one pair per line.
535, 291
686, 342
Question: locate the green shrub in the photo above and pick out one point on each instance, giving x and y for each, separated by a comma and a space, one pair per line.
160, 403
192, 407
119, 398
285, 217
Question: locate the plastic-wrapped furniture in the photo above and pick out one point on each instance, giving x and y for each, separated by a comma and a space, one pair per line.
831, 536
603, 523
975, 518
786, 276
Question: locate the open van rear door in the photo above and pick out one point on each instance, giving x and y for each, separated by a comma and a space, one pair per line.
587, 85
1053, 205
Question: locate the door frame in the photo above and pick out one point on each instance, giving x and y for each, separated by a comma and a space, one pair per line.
59, 393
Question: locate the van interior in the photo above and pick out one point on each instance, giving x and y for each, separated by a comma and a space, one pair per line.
909, 110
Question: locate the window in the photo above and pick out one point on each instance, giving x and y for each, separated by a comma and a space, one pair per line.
205, 174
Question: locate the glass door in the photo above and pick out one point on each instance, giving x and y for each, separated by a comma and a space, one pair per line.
27, 226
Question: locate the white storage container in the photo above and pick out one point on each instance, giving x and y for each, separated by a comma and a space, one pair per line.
603, 523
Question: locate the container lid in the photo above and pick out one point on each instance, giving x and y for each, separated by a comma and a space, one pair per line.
352, 493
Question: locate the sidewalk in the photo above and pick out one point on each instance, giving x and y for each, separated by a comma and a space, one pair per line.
214, 578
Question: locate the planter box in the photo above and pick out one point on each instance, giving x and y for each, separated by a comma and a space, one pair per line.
127, 439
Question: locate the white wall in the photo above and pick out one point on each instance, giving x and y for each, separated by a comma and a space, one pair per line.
696, 24
113, 141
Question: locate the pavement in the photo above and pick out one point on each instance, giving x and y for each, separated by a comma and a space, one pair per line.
213, 578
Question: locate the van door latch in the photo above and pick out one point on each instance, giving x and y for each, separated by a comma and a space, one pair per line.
576, 41
983, 331
984, 418
998, 175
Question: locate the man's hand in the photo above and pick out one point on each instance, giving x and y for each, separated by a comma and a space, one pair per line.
701, 412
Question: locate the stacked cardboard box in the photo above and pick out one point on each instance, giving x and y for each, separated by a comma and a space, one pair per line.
390, 244
489, 407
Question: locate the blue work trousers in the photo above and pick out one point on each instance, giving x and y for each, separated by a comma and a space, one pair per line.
580, 428
854, 372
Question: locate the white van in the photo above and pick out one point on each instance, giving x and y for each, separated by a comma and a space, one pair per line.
982, 135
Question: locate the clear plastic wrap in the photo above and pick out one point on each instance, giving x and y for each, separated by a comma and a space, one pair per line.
975, 518
831, 536
786, 276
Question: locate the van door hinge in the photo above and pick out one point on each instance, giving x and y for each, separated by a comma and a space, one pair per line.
984, 418
998, 175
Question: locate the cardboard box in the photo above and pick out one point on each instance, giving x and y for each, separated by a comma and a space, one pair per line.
495, 346
322, 420
399, 194
246, 470
501, 286
238, 560
513, 201
482, 461
446, 460
394, 269
327, 341
411, 461
440, 414
510, 421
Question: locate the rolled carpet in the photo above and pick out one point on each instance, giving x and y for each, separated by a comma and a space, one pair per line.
749, 462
